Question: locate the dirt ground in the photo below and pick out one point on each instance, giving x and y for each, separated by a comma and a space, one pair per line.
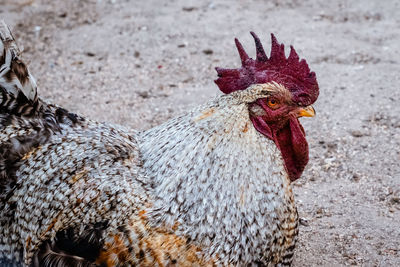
138, 63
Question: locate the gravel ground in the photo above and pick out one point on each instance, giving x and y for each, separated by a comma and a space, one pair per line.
138, 63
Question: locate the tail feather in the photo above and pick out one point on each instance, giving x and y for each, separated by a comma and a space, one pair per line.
26, 121
18, 87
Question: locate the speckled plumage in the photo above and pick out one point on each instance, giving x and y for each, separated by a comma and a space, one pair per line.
203, 189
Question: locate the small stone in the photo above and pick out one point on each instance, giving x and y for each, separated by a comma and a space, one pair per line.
189, 9
208, 51
320, 211
188, 80
356, 177
332, 145
357, 133
304, 222
37, 30
144, 94
395, 200
90, 54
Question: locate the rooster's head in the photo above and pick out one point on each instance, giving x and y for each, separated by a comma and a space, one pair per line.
292, 88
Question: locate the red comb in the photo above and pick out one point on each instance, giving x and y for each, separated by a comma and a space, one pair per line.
291, 72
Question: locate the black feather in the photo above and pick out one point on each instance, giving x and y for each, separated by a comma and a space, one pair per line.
72, 247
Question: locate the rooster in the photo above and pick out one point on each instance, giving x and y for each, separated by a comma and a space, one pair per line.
210, 187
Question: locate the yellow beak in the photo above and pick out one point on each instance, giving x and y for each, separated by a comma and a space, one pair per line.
306, 112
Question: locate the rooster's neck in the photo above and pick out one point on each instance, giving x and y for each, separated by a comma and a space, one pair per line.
216, 177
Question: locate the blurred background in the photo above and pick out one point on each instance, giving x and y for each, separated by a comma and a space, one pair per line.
139, 63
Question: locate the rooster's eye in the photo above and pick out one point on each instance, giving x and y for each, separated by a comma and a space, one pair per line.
272, 103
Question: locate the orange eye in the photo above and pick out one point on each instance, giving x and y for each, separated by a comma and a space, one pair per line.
272, 103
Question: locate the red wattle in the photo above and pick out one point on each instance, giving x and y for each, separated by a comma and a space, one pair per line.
293, 145
290, 140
